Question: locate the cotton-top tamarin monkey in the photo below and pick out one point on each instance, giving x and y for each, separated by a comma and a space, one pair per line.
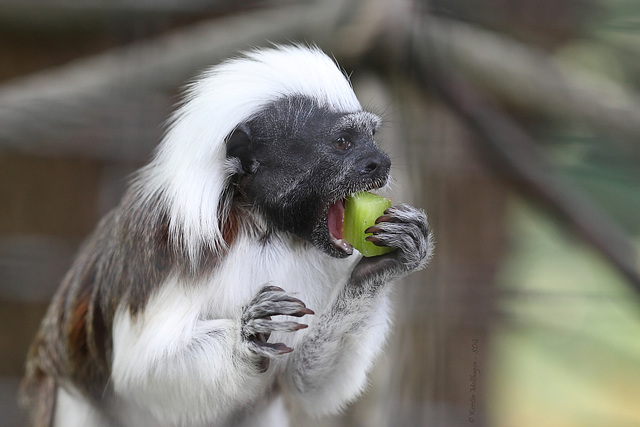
183, 307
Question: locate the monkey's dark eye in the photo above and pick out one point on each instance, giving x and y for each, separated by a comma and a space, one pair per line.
342, 143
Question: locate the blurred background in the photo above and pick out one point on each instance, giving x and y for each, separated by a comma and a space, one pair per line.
515, 124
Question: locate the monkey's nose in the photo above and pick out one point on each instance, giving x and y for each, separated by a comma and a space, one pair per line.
378, 164
369, 168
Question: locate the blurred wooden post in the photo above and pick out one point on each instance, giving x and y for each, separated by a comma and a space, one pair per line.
438, 356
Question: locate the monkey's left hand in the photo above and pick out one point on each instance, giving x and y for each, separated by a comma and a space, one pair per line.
256, 323
404, 228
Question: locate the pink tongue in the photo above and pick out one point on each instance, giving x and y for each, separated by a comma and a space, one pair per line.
336, 216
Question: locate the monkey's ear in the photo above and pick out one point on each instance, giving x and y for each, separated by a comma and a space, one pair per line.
239, 146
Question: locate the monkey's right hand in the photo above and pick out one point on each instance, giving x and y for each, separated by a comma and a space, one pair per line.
404, 228
256, 323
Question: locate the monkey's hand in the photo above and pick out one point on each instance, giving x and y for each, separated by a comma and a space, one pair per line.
404, 228
257, 325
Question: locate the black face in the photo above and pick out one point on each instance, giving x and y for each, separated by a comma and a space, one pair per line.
298, 163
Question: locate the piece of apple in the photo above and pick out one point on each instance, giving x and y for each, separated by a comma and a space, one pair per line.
360, 212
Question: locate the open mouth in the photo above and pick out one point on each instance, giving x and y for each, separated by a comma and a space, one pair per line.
335, 221
335, 217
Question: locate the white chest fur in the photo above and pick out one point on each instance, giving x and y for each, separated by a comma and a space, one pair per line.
183, 356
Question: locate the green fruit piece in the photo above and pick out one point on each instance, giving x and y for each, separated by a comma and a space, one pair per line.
360, 212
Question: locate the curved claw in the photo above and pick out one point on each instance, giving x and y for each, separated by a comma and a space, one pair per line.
375, 240
384, 218
270, 349
373, 229
302, 312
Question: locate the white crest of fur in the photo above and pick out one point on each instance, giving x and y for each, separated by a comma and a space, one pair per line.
189, 167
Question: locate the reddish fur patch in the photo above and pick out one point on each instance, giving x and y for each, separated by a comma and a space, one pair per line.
230, 228
77, 327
